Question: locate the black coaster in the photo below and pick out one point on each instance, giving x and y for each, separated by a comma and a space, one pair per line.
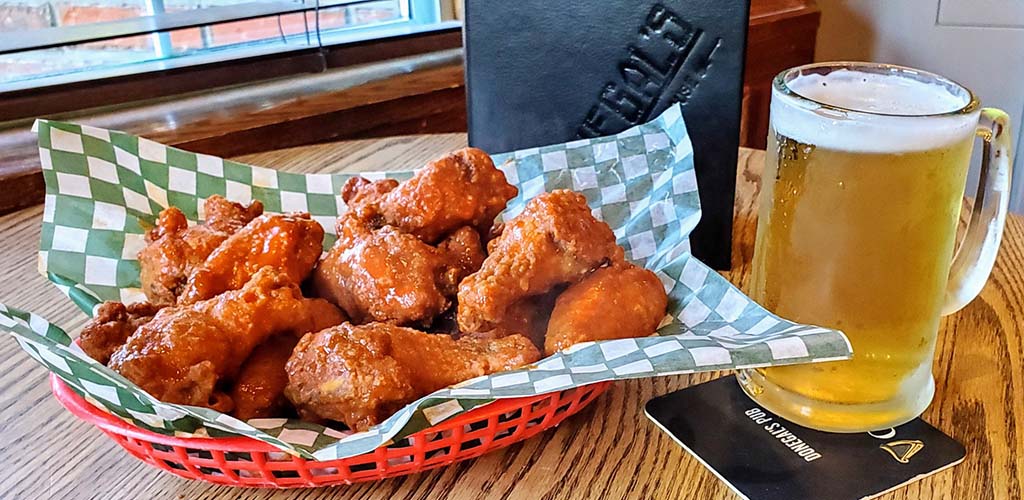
762, 456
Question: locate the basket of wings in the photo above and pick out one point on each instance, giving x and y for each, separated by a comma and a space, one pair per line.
255, 327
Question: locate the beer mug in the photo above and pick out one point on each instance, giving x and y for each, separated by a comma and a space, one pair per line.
860, 201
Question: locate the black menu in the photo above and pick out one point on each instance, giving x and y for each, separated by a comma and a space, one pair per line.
540, 72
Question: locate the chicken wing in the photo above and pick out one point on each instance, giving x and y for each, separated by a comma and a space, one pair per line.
289, 243
258, 390
555, 240
527, 317
462, 188
382, 274
363, 196
360, 375
184, 351
110, 328
227, 216
174, 249
617, 302
464, 254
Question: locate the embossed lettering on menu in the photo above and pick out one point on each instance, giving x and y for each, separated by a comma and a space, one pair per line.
668, 61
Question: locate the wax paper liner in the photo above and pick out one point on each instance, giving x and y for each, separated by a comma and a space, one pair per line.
103, 187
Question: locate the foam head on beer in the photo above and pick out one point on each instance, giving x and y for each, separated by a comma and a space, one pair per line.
885, 107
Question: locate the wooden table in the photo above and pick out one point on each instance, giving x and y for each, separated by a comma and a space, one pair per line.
610, 450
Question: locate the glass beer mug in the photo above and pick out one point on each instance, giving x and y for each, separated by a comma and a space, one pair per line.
860, 202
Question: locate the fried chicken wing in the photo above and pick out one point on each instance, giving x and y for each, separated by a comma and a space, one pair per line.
258, 390
110, 328
464, 254
174, 249
317, 315
360, 375
289, 243
462, 188
527, 317
363, 196
382, 274
555, 240
227, 216
184, 351
617, 302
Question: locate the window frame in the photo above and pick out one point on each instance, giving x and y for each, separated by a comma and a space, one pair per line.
61, 36
422, 31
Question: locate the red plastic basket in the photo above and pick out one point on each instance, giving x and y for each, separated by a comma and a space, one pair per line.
243, 461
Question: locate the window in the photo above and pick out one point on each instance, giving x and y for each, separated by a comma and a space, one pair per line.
56, 42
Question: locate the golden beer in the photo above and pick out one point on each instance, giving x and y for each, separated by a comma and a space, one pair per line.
856, 231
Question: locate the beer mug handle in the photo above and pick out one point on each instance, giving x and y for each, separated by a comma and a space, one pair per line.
977, 253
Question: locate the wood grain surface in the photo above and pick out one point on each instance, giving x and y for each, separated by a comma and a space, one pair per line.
609, 450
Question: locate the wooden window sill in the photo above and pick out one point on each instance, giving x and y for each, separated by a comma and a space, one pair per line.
416, 94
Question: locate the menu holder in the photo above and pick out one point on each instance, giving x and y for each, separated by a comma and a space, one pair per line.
540, 73
764, 457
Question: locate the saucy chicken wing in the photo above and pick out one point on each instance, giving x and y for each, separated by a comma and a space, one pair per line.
110, 328
174, 249
462, 188
289, 243
464, 253
360, 375
185, 351
527, 317
617, 302
382, 274
555, 240
363, 196
258, 390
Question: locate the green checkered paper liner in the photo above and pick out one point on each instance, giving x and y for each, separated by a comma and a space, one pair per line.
104, 187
